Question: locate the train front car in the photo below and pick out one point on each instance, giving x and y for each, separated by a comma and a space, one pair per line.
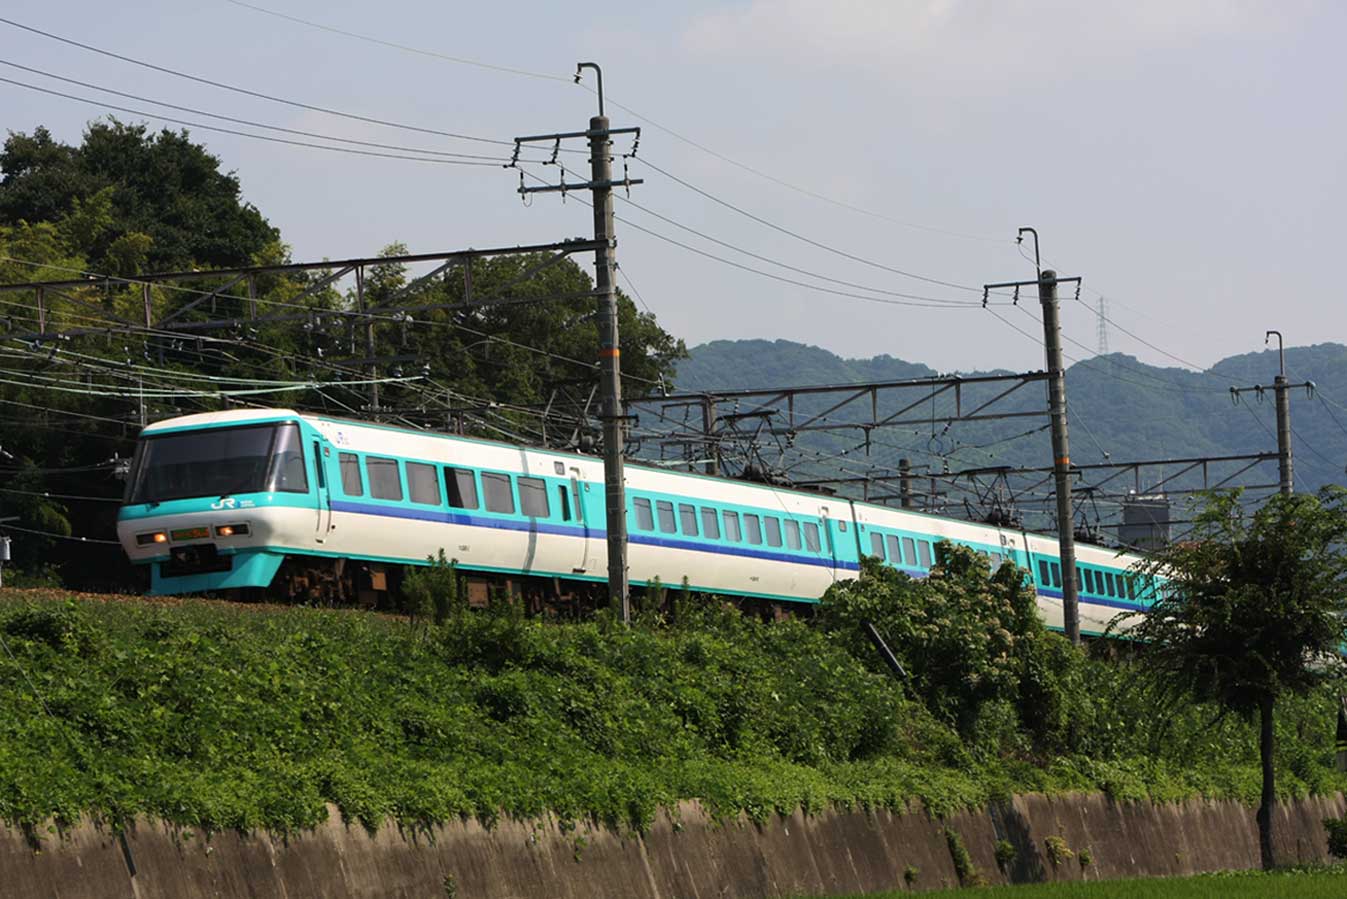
212, 498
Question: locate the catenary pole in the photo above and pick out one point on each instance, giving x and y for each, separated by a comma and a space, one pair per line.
1282, 389
600, 136
610, 361
1047, 282
1061, 453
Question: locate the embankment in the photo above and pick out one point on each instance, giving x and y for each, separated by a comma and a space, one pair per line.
1089, 835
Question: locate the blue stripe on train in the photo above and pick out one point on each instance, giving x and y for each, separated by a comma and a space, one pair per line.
482, 521
1097, 601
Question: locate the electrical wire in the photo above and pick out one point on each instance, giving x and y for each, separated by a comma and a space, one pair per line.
264, 137
14, 527
649, 121
47, 495
800, 237
788, 267
251, 93
430, 53
346, 140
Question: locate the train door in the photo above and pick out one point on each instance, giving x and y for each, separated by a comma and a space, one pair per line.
829, 544
580, 518
322, 490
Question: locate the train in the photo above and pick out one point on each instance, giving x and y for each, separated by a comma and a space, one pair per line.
327, 509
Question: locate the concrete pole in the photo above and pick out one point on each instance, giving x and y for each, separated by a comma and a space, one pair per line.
1282, 389
610, 364
1061, 453
905, 483
712, 446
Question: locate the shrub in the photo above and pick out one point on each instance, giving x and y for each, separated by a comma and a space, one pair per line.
969, 875
433, 590
1005, 854
1337, 836
1058, 850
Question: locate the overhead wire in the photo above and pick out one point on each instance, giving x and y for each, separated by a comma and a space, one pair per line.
649, 121
427, 151
789, 267
252, 93
263, 137
800, 237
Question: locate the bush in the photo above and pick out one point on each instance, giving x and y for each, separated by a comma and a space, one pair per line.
1337, 836
970, 642
433, 590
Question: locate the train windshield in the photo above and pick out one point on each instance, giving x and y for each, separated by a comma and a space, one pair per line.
218, 462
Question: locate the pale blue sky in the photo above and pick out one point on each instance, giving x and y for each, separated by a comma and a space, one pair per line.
1185, 156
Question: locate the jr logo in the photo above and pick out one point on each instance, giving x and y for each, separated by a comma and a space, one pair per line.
227, 502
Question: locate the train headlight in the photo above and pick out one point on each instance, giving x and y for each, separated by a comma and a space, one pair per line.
232, 530
151, 538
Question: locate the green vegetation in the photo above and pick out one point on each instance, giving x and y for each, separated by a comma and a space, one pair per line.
222, 716
1251, 612
1327, 883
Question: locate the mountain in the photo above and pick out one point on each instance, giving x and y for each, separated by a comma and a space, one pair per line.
1119, 406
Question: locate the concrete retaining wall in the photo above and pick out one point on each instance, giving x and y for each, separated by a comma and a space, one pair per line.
692, 856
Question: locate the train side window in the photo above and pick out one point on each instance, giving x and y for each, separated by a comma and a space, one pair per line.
384, 482
1078, 577
1131, 587
422, 484
645, 519
287, 461
792, 534
732, 533
877, 545
533, 498
351, 484
773, 528
924, 551
895, 549
564, 498
1056, 574
710, 524
1112, 584
460, 486
811, 536
666, 517
753, 529
1044, 573
910, 551
497, 493
318, 465
687, 519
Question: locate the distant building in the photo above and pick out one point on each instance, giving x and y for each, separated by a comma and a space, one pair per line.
1145, 523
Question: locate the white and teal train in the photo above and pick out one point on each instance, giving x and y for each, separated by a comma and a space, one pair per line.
334, 509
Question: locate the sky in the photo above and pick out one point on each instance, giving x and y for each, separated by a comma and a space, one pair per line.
1185, 157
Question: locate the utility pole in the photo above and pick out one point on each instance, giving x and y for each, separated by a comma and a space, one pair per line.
905, 482
1282, 392
1047, 282
1285, 477
601, 186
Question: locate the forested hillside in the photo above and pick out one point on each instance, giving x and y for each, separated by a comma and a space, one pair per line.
1118, 405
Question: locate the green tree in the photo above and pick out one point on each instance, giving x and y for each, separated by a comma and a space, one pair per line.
1250, 610
974, 647
131, 198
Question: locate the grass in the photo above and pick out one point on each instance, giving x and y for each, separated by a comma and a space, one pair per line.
1315, 884
224, 716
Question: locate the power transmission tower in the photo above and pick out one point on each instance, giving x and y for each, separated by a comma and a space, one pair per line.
1282, 391
1103, 327
610, 365
1047, 282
